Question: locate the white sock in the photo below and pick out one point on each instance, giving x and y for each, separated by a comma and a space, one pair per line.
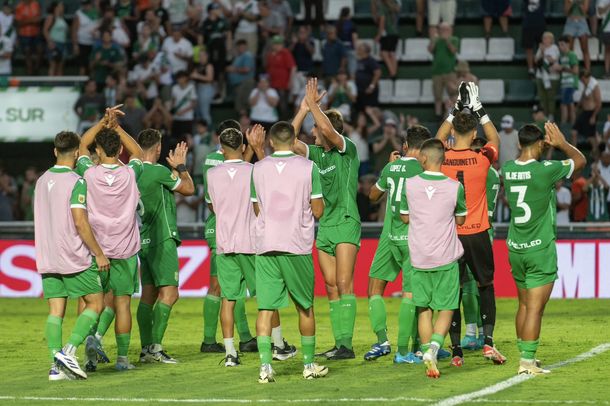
471, 329
121, 359
434, 347
481, 330
276, 335
230, 347
99, 337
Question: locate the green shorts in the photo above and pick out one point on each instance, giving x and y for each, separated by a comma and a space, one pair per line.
532, 270
348, 232
470, 287
213, 265
389, 260
438, 289
280, 276
75, 285
159, 264
235, 273
122, 279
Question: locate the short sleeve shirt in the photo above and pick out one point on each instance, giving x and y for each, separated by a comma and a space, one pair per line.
211, 160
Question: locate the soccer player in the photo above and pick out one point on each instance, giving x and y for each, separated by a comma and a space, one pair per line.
287, 195
392, 252
432, 206
112, 196
532, 253
160, 240
338, 239
471, 168
67, 255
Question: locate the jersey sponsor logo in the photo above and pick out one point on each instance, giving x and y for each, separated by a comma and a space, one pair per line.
430, 190
212, 162
474, 226
518, 175
280, 167
398, 237
460, 161
327, 170
232, 172
109, 179
50, 184
547, 163
145, 241
524, 245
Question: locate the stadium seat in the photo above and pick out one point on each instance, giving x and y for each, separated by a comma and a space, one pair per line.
473, 49
500, 49
334, 8
416, 50
604, 87
407, 91
374, 47
491, 90
426, 92
362, 8
593, 45
317, 50
520, 90
386, 91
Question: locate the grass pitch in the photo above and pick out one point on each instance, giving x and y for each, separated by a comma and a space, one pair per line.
571, 327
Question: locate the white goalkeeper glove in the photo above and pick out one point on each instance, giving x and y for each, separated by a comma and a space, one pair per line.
475, 103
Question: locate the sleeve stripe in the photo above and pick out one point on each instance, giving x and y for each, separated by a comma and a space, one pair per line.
306, 149
379, 187
83, 156
78, 206
135, 160
464, 213
207, 200
178, 182
254, 200
404, 212
342, 151
317, 196
569, 175
490, 213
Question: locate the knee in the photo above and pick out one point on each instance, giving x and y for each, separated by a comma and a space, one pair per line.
344, 286
169, 297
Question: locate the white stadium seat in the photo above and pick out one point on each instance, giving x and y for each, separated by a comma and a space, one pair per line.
593, 46
317, 50
500, 49
426, 92
385, 91
491, 90
604, 87
334, 8
473, 49
416, 50
407, 91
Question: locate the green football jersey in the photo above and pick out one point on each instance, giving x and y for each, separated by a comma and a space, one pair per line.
530, 191
211, 160
392, 180
339, 175
493, 188
158, 205
84, 162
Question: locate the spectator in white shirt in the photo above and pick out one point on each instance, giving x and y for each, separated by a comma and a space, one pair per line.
179, 51
246, 16
263, 103
564, 200
6, 54
509, 137
184, 101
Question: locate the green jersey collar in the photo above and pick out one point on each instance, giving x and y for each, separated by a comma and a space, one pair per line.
433, 175
60, 169
110, 166
282, 153
529, 161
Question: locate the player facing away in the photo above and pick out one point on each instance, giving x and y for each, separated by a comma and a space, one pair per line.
112, 196
228, 195
470, 168
432, 206
338, 239
286, 195
67, 255
532, 252
392, 252
159, 236
212, 301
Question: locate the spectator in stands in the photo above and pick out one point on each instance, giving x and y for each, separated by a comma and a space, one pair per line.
160, 119
6, 54
463, 73
302, 48
603, 10
178, 50
90, 106
7, 20
509, 140
590, 105
245, 17
106, 58
387, 34
157, 29
55, 31
440, 11
157, 7
133, 120
580, 201
184, 102
241, 76
342, 94
281, 68
192, 28
145, 77
539, 117
348, 34
386, 143
270, 24
368, 74
547, 79
368, 211
113, 89
420, 15
499, 9
110, 22
564, 201
568, 67
28, 17
597, 192
282, 7
359, 134
129, 14
84, 25
203, 77
27, 194
603, 166
146, 42
532, 28
218, 38
178, 12
318, 6
8, 194
443, 48
334, 55
263, 103
187, 208
576, 26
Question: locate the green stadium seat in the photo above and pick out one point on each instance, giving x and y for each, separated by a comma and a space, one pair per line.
295, 5
469, 9
362, 8
520, 90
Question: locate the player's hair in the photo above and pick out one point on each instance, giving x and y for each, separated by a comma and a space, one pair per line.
336, 119
231, 138
149, 138
464, 123
109, 141
434, 150
530, 134
230, 123
417, 135
66, 141
282, 132
478, 143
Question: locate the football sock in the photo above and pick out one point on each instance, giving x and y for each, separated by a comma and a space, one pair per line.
407, 325
161, 313
122, 344
241, 321
425, 347
308, 346
84, 322
276, 335
145, 323
528, 349
455, 330
377, 314
436, 343
230, 347
52, 333
519, 347
471, 309
456, 351
104, 322
471, 329
335, 320
211, 308
488, 312
348, 319
264, 349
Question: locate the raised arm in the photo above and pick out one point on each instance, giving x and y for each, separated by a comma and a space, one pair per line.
491, 134
555, 138
324, 125
256, 142
177, 160
134, 149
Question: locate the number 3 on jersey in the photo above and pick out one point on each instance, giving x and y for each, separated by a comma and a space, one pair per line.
521, 190
395, 198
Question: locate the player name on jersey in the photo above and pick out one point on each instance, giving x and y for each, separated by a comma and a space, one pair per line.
518, 175
460, 161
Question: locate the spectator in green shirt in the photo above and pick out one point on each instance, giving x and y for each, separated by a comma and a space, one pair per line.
444, 49
106, 59
387, 34
568, 67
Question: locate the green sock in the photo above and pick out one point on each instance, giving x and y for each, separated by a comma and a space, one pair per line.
425, 347
52, 333
105, 321
145, 323
241, 321
308, 346
407, 325
122, 344
84, 322
264, 349
211, 308
471, 308
528, 349
335, 320
348, 319
519, 341
377, 314
161, 313
438, 339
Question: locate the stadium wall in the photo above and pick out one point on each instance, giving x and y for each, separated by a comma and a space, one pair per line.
584, 269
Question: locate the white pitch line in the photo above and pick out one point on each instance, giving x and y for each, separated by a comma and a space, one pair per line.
543, 401
515, 380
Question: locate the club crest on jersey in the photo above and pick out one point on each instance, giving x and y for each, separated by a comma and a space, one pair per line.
81, 199
50, 184
174, 177
430, 191
280, 166
232, 172
109, 179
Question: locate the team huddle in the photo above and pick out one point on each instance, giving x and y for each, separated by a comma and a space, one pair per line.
96, 219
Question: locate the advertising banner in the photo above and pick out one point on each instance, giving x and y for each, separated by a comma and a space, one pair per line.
584, 269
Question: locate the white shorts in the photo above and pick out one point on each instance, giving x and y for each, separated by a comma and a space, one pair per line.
441, 10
